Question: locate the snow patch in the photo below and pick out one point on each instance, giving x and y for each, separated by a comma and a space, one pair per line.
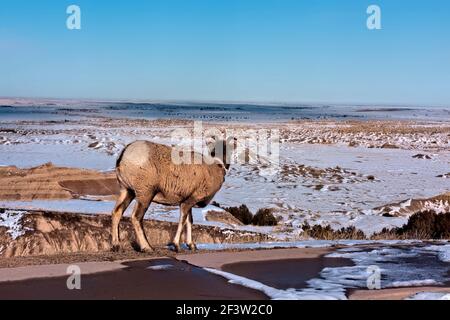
399, 267
160, 267
443, 252
278, 294
414, 283
430, 296
12, 221
299, 244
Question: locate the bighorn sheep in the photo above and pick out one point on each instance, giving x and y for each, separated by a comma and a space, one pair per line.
146, 172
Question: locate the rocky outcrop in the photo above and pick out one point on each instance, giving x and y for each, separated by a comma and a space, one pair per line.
49, 182
30, 233
222, 216
406, 208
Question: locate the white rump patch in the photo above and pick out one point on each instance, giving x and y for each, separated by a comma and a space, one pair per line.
137, 153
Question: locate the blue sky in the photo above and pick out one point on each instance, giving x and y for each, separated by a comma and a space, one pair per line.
228, 50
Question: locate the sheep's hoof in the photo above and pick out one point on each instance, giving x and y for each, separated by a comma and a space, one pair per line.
147, 250
115, 248
192, 247
174, 247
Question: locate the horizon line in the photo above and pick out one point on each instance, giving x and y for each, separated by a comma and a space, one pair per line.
214, 101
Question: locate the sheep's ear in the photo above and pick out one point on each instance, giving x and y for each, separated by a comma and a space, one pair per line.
231, 142
211, 145
210, 139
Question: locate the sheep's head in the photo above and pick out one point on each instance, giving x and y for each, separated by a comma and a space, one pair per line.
222, 149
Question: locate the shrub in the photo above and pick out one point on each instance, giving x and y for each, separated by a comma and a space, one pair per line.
327, 233
264, 217
442, 226
351, 233
216, 204
427, 225
320, 232
241, 213
421, 225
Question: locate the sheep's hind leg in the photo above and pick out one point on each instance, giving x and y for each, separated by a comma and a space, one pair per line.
136, 219
184, 212
123, 201
189, 222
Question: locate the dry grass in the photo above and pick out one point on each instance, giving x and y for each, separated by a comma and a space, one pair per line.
391, 127
422, 225
426, 225
241, 213
264, 217
327, 233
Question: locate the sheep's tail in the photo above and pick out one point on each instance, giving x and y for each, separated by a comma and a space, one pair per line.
119, 159
119, 176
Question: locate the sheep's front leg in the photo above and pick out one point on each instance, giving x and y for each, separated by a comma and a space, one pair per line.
184, 212
189, 222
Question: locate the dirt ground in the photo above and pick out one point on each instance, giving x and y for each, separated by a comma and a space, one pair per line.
104, 273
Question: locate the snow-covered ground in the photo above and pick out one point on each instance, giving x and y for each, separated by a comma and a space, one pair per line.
348, 201
323, 184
